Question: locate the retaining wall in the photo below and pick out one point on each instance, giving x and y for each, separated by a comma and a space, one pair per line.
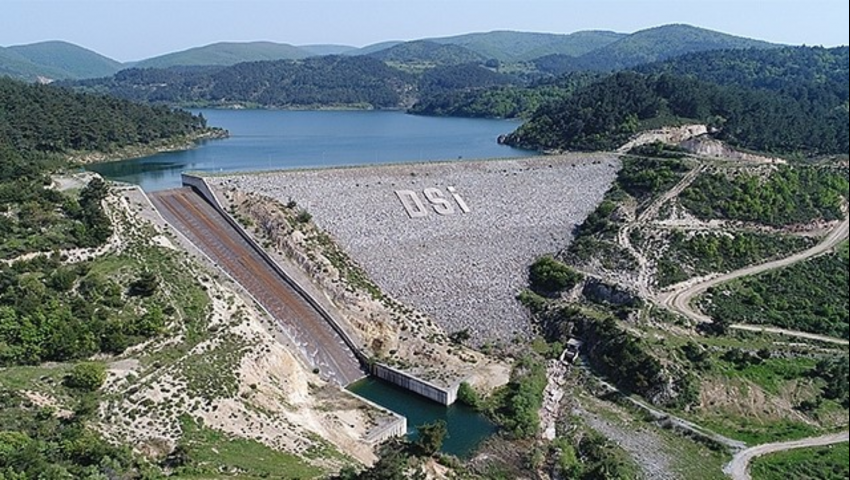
200, 186
446, 396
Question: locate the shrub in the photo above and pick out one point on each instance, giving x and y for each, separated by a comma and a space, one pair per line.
548, 276
86, 376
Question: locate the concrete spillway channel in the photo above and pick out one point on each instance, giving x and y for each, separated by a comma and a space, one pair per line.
211, 232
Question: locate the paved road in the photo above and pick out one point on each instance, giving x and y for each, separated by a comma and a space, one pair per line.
738, 467
679, 299
210, 232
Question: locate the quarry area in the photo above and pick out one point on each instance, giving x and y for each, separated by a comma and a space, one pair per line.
451, 240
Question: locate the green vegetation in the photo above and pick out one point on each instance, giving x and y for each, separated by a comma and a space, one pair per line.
224, 54
43, 118
54, 60
86, 376
507, 101
426, 51
596, 458
319, 81
786, 196
548, 276
690, 255
468, 396
622, 358
50, 311
811, 296
818, 463
38, 219
779, 69
645, 46
431, 436
645, 178
204, 452
509, 46
36, 443
516, 405
605, 114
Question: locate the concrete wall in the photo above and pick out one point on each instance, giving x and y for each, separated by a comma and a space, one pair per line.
416, 385
200, 186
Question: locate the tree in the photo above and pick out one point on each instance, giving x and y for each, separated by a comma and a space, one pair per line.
431, 436
146, 285
86, 376
548, 276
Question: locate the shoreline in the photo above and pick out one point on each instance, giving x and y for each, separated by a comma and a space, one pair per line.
174, 144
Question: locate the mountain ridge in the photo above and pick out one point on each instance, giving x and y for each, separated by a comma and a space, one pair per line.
550, 53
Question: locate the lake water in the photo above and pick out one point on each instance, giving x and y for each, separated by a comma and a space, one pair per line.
277, 139
466, 428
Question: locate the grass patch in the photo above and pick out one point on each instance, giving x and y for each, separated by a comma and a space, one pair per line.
32, 377
753, 431
771, 374
216, 454
819, 463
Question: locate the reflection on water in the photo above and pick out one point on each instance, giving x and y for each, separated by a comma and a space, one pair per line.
467, 428
273, 139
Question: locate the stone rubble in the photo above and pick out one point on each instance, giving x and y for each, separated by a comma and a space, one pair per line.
462, 269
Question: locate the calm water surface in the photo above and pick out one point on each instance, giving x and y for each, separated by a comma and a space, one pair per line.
466, 428
275, 139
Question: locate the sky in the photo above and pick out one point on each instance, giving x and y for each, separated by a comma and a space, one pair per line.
128, 30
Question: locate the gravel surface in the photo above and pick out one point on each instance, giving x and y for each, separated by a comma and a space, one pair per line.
464, 269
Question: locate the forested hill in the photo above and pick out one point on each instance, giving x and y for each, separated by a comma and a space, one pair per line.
646, 46
319, 81
423, 51
605, 114
41, 118
784, 69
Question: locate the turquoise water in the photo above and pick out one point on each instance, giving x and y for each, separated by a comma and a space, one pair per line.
276, 139
467, 428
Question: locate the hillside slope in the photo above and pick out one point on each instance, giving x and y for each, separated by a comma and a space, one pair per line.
225, 53
423, 51
515, 46
72, 60
646, 46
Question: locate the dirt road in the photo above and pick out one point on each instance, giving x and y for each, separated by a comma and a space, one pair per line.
679, 299
737, 468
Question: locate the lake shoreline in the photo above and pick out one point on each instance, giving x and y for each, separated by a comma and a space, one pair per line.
130, 152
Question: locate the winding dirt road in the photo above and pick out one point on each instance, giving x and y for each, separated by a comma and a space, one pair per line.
679, 297
738, 467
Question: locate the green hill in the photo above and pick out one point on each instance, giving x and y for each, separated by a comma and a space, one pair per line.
311, 82
807, 120
71, 60
15, 65
320, 50
514, 46
375, 47
420, 51
648, 46
226, 53
779, 69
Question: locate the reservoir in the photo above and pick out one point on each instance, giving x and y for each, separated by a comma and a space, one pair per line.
466, 428
280, 139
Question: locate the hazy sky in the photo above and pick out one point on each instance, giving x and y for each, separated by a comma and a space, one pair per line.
135, 29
